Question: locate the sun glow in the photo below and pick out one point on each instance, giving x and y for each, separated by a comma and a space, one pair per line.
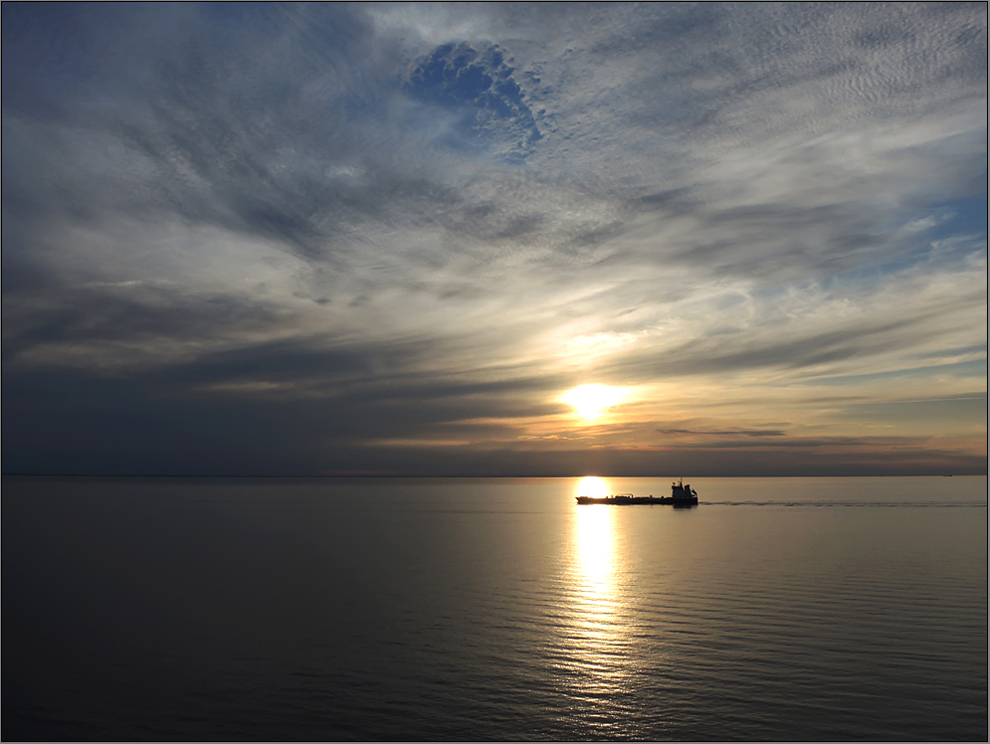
591, 400
592, 486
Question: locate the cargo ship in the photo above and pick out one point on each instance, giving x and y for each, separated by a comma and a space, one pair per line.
681, 494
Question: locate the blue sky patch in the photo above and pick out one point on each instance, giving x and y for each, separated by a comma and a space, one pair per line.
479, 83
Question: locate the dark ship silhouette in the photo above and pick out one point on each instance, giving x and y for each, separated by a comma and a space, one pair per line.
680, 495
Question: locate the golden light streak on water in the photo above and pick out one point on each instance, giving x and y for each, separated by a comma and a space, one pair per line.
594, 542
596, 552
596, 637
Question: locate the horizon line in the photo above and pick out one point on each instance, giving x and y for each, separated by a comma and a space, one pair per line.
463, 476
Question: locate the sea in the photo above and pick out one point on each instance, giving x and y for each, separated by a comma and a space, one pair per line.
493, 609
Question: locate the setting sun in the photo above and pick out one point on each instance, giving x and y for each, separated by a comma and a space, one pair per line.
591, 400
592, 486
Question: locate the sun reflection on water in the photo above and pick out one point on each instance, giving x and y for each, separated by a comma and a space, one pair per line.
595, 548
597, 637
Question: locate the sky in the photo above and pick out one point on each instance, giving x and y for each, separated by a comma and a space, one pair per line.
486, 239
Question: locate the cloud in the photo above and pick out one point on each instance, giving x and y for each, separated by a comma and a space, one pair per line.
508, 199
733, 433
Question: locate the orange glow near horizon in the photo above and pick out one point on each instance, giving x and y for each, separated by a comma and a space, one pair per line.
592, 486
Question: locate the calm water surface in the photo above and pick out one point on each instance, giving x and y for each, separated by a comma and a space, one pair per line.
818, 608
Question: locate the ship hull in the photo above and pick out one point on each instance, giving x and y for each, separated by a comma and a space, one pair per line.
634, 500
